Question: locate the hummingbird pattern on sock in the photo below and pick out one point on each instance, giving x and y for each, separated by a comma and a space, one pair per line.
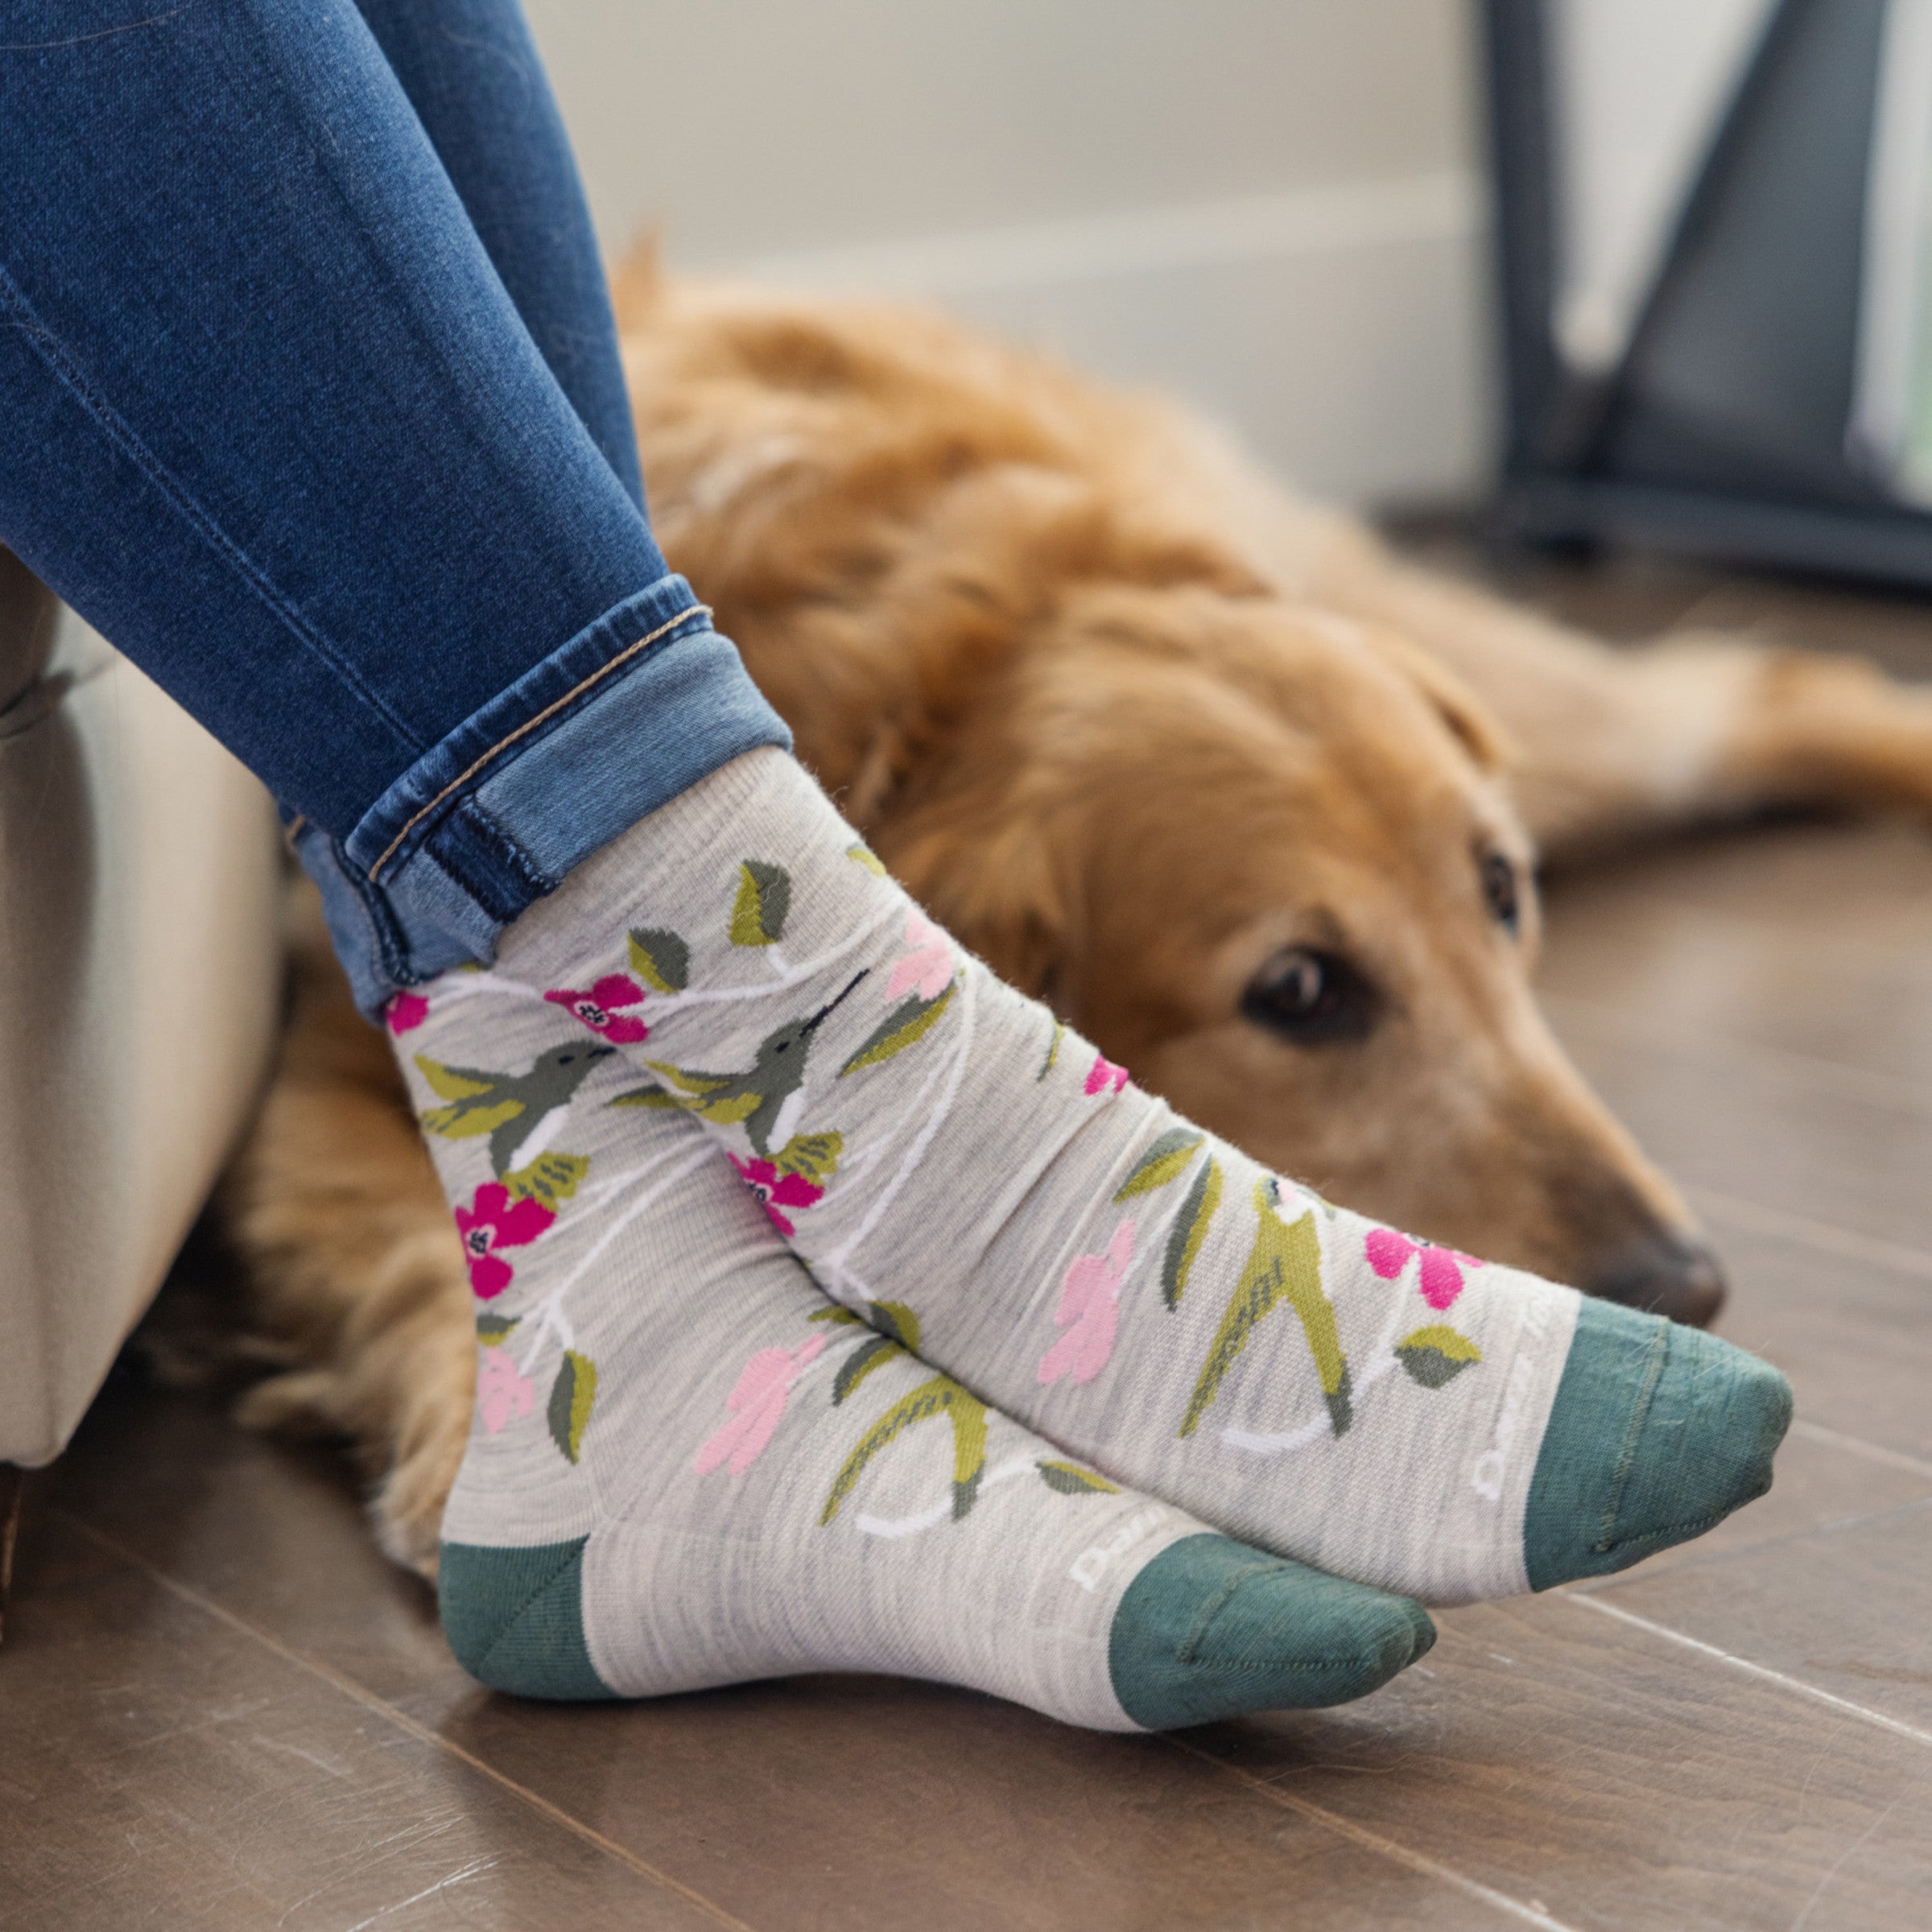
1165, 1308
519, 1111
523, 1115
688, 1466
765, 1100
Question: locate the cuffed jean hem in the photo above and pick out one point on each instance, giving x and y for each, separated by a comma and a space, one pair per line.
634, 709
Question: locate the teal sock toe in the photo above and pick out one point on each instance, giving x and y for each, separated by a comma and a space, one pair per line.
1211, 1629
1658, 1432
514, 1618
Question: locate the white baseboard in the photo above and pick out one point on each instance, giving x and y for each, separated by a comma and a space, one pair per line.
1341, 330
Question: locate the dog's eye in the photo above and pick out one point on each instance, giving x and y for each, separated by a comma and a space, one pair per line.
1501, 893
1309, 996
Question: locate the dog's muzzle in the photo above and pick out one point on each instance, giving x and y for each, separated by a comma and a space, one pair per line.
1670, 1274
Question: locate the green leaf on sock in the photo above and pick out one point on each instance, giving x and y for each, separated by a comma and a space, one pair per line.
758, 914
1285, 1265
813, 1155
864, 856
492, 1330
896, 1319
1053, 1050
551, 1178
1070, 1479
897, 1333
839, 1318
867, 1356
909, 1021
1166, 1160
571, 1396
1189, 1231
968, 1417
661, 959
1437, 1354
1339, 1400
934, 1397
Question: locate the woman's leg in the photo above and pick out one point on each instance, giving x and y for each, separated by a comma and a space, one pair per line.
473, 74
273, 424
277, 428
255, 337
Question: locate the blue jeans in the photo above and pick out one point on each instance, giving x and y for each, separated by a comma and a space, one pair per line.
310, 402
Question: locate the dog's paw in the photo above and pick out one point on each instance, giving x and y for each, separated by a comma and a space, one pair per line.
406, 1510
406, 1539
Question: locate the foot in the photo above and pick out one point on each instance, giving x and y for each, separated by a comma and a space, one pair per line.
688, 1467
1137, 1290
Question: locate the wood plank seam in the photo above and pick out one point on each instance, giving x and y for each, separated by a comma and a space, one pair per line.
1810, 1072
186, 1593
1838, 1864
1730, 1552
1528, 1911
1756, 929
1754, 1217
1795, 1685
1726, 1553
1856, 1445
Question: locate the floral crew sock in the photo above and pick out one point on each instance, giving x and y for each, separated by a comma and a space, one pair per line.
688, 1467
1141, 1293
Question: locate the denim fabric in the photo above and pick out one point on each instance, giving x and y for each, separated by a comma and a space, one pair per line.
685, 709
274, 425
473, 74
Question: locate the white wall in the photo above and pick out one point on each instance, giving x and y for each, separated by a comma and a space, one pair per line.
1270, 205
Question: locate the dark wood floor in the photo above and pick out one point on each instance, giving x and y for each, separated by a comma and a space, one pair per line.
219, 1709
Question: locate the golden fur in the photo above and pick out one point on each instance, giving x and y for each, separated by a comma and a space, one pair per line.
1130, 718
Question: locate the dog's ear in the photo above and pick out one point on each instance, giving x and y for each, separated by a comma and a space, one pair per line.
991, 878
1025, 915
1470, 722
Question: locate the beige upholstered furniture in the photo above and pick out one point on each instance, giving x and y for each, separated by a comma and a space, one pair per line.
138, 996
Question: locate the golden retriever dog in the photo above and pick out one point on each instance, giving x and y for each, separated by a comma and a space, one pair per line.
1248, 800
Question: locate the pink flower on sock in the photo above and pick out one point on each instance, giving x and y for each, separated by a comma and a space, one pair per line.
1104, 1074
1089, 1311
597, 1008
927, 969
1440, 1276
756, 1402
406, 1012
777, 1192
493, 1220
503, 1394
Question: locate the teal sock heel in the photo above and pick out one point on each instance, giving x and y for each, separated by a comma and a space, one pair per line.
514, 1618
1658, 1432
1211, 1629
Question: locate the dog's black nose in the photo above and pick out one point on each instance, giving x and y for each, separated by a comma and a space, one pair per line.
1666, 1273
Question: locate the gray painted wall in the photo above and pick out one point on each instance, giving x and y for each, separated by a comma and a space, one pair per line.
1272, 206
